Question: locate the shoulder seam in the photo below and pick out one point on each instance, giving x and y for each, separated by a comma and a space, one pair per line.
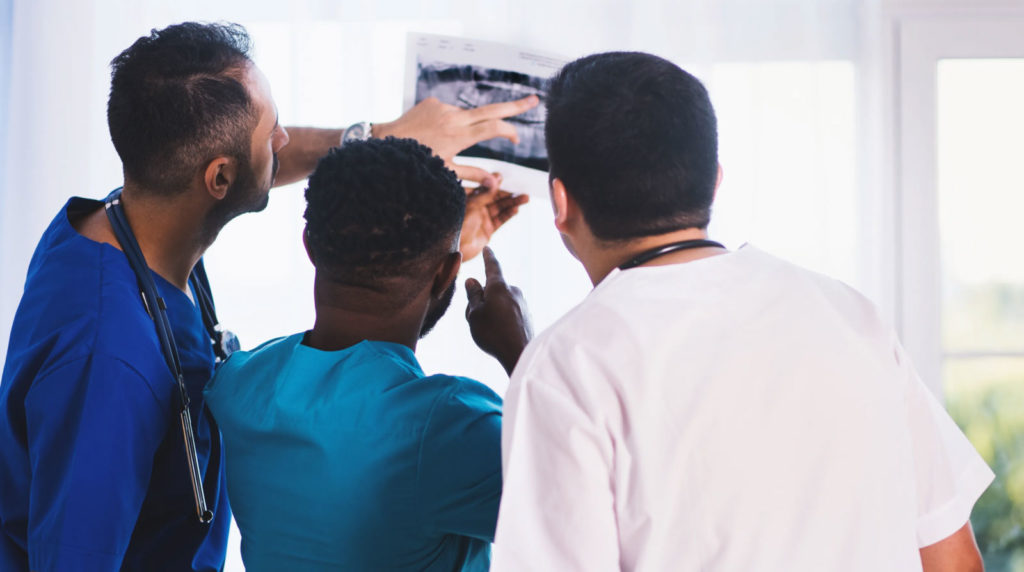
103, 272
90, 346
94, 354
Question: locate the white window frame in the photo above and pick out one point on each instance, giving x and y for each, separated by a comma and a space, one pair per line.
922, 39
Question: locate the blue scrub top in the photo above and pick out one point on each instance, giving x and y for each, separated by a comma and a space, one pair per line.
92, 463
355, 460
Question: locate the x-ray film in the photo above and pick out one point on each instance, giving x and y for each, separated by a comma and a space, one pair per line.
470, 74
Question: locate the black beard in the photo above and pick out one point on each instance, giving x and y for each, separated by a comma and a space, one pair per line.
244, 195
434, 314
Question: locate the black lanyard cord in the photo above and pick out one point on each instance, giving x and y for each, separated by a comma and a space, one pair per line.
649, 255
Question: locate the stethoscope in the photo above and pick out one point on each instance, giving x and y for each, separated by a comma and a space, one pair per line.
649, 255
224, 342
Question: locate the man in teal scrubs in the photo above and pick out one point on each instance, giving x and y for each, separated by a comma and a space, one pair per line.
341, 454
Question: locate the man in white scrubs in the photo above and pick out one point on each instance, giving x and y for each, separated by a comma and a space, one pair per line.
704, 409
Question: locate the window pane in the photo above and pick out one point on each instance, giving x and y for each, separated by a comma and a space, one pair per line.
986, 398
980, 184
983, 317
981, 198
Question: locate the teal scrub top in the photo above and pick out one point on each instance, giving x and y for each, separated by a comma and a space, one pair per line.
355, 460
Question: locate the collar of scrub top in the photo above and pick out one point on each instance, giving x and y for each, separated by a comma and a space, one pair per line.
223, 341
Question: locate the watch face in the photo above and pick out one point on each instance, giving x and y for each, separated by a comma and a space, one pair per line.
356, 132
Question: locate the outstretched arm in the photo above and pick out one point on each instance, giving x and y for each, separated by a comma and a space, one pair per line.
305, 147
446, 129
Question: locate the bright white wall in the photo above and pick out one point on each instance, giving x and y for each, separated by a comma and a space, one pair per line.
6, 17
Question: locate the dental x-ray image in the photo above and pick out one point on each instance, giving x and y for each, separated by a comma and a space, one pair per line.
470, 86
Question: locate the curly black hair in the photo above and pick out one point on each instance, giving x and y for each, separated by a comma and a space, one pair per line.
177, 100
375, 208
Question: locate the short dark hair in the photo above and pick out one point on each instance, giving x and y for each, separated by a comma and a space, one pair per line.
375, 208
634, 139
177, 100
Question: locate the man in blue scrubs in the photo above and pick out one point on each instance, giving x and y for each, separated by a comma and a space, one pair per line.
342, 454
92, 463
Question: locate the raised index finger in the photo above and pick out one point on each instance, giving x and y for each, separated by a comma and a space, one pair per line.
491, 267
503, 109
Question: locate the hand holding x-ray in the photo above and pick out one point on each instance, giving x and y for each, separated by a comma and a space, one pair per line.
479, 78
449, 129
487, 208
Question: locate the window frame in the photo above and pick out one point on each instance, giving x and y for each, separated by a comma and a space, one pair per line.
922, 39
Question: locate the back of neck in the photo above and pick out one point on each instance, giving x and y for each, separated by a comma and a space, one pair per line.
347, 315
169, 232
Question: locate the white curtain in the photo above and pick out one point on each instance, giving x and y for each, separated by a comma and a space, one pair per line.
6, 17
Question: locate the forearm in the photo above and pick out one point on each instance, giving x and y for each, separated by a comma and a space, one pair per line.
957, 553
305, 147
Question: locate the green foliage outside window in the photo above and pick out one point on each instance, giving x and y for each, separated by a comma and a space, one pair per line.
986, 398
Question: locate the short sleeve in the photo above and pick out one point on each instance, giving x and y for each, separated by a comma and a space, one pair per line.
950, 474
93, 428
558, 508
459, 468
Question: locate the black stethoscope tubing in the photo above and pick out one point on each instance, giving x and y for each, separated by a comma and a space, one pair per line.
157, 309
649, 255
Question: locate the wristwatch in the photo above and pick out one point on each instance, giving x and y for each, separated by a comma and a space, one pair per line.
357, 132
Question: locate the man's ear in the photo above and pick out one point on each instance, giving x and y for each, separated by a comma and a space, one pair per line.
219, 174
718, 181
566, 209
446, 274
305, 243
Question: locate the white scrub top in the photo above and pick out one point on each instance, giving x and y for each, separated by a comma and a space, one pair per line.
730, 413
